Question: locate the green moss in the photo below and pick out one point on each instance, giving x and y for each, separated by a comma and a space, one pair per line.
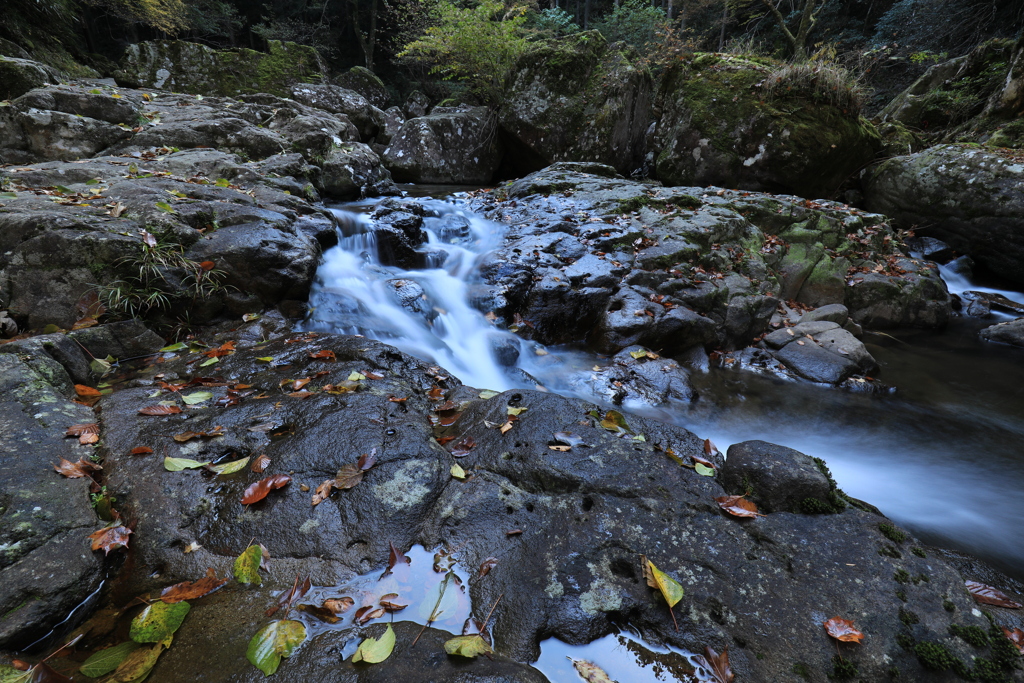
908, 617
892, 533
802, 670
949, 605
919, 551
890, 551
894, 673
901, 594
934, 656
906, 641
842, 669
901, 576
987, 671
972, 635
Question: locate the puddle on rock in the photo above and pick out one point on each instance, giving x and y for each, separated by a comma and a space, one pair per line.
624, 656
416, 584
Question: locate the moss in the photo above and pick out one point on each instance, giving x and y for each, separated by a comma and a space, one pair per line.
949, 605
802, 670
934, 657
842, 669
988, 671
908, 617
919, 551
901, 576
813, 506
890, 551
920, 578
901, 594
906, 641
892, 533
972, 635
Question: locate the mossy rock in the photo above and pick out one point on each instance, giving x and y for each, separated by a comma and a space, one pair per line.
365, 82
720, 125
18, 76
577, 99
193, 68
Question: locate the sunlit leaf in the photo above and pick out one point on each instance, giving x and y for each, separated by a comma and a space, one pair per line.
703, 469
103, 662
515, 411
613, 421
843, 629
356, 376
110, 538
487, 393
157, 621
193, 590
259, 490
670, 589
458, 472
987, 595
376, 650
738, 506
467, 646
229, 467
179, 464
247, 565
197, 397
274, 642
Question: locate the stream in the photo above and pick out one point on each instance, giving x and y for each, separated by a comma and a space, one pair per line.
941, 456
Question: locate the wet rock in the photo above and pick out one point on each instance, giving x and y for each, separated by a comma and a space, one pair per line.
998, 301
1011, 332
780, 338
58, 135
416, 104
777, 479
180, 66
577, 99
124, 339
41, 351
931, 249
393, 121
363, 81
354, 170
644, 380
453, 145
723, 124
18, 76
46, 566
336, 100
814, 363
836, 313
102, 106
966, 195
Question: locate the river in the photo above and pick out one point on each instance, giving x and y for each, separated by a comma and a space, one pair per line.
941, 456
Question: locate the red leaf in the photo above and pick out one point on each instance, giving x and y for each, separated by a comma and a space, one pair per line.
110, 538
225, 349
142, 450
42, 673
710, 449
716, 664
368, 460
260, 464
843, 629
76, 470
1016, 637
394, 558
738, 506
159, 410
79, 430
323, 353
462, 448
87, 392
365, 614
987, 595
259, 490
487, 565
372, 375
207, 265
190, 590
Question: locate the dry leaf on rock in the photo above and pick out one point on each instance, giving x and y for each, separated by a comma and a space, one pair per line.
987, 595
844, 630
259, 490
738, 506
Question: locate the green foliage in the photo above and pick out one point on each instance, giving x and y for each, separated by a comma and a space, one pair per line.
169, 16
477, 45
934, 656
635, 22
972, 635
553, 22
892, 533
908, 617
842, 669
949, 605
901, 576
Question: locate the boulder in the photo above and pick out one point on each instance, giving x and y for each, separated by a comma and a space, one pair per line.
18, 76
776, 478
836, 313
577, 99
740, 123
180, 66
1011, 332
393, 121
966, 196
47, 570
416, 104
363, 81
54, 135
352, 170
814, 363
367, 118
453, 145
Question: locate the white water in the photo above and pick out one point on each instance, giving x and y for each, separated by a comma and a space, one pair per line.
934, 457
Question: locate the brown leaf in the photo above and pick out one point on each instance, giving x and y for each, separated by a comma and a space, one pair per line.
716, 664
110, 538
462, 448
322, 613
148, 238
445, 439
843, 629
367, 460
323, 353
42, 673
295, 384
738, 506
260, 464
701, 461
79, 430
371, 375
348, 476
339, 605
323, 492
76, 470
191, 590
300, 394
514, 532
987, 595
87, 392
367, 613
387, 601
284, 601
1016, 637
395, 399
259, 490
710, 449
487, 565
395, 557
86, 439
159, 410
188, 436
225, 349
435, 393
141, 450
207, 265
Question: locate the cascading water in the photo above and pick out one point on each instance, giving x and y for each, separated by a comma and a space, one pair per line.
933, 456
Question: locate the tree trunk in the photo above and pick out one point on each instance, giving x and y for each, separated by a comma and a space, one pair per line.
797, 42
725, 20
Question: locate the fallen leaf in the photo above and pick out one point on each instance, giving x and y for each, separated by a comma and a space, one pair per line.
260, 464
716, 664
159, 410
40, 673
372, 375
141, 450
82, 429
348, 476
843, 629
285, 600
197, 397
376, 650
207, 265
568, 439
395, 557
326, 354
367, 460
613, 421
368, 613
487, 565
697, 460
157, 621
589, 671
710, 449
987, 595
188, 436
323, 492
356, 376
229, 467
1016, 636
103, 662
462, 448
387, 601
110, 538
259, 490
738, 506
87, 392
274, 642
436, 393
179, 464
458, 472
192, 590
137, 665
339, 605
321, 613
247, 565
76, 470
468, 646
514, 532
702, 469
669, 588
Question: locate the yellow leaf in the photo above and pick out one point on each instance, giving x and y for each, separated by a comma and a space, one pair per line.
670, 589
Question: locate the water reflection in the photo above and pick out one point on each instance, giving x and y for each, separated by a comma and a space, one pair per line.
623, 656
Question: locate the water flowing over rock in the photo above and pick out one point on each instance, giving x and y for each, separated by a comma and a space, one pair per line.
181, 66
724, 121
577, 99
966, 196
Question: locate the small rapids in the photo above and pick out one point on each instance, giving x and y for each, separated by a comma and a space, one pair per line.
939, 456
